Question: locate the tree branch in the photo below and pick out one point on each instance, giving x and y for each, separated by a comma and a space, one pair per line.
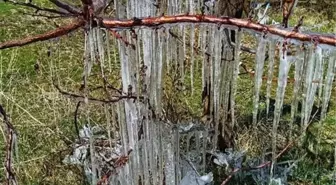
66, 6
287, 10
241, 23
45, 36
37, 8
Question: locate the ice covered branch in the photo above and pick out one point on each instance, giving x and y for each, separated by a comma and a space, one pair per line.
45, 36
240, 23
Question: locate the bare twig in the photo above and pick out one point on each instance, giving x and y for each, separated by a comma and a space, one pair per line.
299, 24
67, 7
287, 10
45, 15
118, 36
95, 100
37, 8
45, 36
11, 140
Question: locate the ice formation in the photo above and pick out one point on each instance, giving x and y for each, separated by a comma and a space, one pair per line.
158, 150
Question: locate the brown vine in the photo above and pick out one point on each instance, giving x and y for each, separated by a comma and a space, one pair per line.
10, 143
86, 16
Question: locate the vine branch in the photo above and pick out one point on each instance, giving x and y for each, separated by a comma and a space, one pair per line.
45, 36
162, 20
241, 23
10, 143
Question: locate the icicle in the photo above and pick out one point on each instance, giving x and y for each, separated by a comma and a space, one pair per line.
93, 161
235, 74
328, 84
108, 50
204, 149
147, 152
161, 154
192, 40
320, 82
216, 78
159, 72
282, 83
191, 6
182, 51
298, 72
205, 57
271, 55
313, 72
177, 156
168, 51
170, 173
260, 59
226, 76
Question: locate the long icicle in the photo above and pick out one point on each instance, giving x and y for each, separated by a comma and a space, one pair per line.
297, 86
260, 59
192, 40
282, 83
328, 84
271, 56
235, 75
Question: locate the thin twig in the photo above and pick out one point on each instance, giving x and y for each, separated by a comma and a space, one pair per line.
95, 100
67, 7
11, 141
37, 8
45, 15
118, 36
45, 36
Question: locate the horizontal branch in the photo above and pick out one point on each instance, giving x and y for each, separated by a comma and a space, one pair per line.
37, 8
81, 98
45, 36
241, 23
66, 6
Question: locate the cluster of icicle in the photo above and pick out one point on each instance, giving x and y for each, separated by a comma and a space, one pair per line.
157, 155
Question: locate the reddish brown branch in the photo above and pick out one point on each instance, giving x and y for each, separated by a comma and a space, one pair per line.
118, 36
287, 10
45, 36
241, 23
